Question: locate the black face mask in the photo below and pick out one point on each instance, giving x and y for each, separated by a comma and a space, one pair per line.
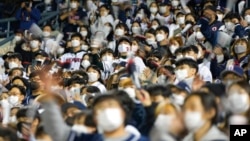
199, 61
152, 64
115, 86
124, 57
34, 86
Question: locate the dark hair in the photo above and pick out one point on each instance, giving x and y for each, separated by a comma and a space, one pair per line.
186, 61
87, 29
156, 90
243, 84
14, 69
24, 112
208, 102
235, 15
178, 50
168, 68
90, 56
150, 31
92, 89
159, 23
80, 74
76, 35
16, 55
97, 69
163, 28
190, 48
156, 54
110, 36
8, 134
123, 25
49, 25
25, 82
106, 50
21, 89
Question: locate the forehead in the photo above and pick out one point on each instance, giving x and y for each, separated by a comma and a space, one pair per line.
106, 104
14, 89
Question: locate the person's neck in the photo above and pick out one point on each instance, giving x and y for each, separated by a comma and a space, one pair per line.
239, 56
34, 49
164, 42
90, 83
117, 133
166, 14
76, 49
202, 131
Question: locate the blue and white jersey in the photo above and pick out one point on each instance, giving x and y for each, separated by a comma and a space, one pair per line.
74, 59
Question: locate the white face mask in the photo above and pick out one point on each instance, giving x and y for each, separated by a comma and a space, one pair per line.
80, 128
123, 48
163, 9
109, 119
136, 30
74, 90
220, 17
107, 58
153, 10
247, 18
161, 79
178, 99
238, 49
119, 32
150, 41
34, 44
163, 122
139, 16
199, 35
13, 119
46, 34
173, 48
47, 1
75, 43
13, 65
92, 76
220, 58
84, 47
131, 92
179, 57
175, 3
84, 33
239, 103
190, 57
160, 37
181, 74
85, 64
73, 5
181, 20
154, 26
17, 38
193, 120
229, 26
13, 100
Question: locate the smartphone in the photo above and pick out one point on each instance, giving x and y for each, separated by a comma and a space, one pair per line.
38, 63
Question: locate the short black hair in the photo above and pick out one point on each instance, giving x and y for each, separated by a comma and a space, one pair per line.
80, 74
92, 89
8, 134
76, 35
150, 31
156, 90
235, 15
190, 48
163, 28
16, 55
14, 69
24, 112
208, 101
156, 54
106, 50
186, 61
21, 89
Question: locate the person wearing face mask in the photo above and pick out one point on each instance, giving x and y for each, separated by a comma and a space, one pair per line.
153, 8
239, 51
161, 36
220, 14
168, 125
166, 17
86, 60
16, 95
27, 15
150, 40
165, 75
74, 17
18, 40
238, 98
35, 44
175, 43
209, 24
74, 58
105, 17
14, 61
237, 26
196, 54
94, 74
155, 23
41, 60
186, 70
230, 75
179, 92
136, 28
84, 31
109, 113
218, 61
201, 120
121, 29
124, 45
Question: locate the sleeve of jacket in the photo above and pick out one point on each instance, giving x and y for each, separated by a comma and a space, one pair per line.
54, 125
35, 13
239, 31
19, 14
210, 35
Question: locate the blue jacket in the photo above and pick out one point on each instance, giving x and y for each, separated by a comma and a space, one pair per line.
240, 31
138, 116
98, 137
210, 30
27, 18
216, 68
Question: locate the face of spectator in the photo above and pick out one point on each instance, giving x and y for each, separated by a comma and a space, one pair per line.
15, 96
103, 11
18, 82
